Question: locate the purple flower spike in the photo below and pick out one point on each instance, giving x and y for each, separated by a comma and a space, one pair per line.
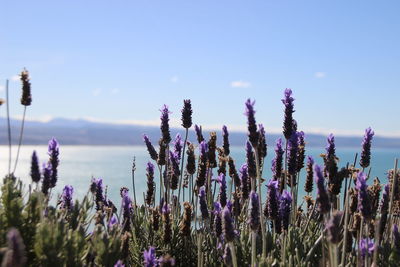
203, 203
366, 247
364, 205
272, 208
187, 114
15, 254
366, 148
35, 170
113, 222
46, 183
150, 148
227, 225
199, 133
284, 208
254, 219
178, 143
166, 136
288, 127
119, 264
222, 189
225, 137
262, 142
292, 155
203, 149
126, 211
66, 197
308, 186
251, 161
244, 181
96, 188
277, 161
322, 195
251, 123
301, 151
54, 161
330, 147
217, 219
149, 257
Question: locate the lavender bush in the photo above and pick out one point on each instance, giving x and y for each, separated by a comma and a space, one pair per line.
200, 209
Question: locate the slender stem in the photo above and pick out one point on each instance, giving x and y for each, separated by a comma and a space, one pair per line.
264, 240
8, 128
253, 248
233, 252
182, 163
20, 139
133, 180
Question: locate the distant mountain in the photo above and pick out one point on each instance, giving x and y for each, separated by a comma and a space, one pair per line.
83, 132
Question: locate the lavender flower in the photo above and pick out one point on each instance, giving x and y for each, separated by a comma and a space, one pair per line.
150, 148
322, 195
262, 143
113, 222
330, 147
203, 203
277, 161
366, 148
66, 197
301, 150
46, 183
251, 123
272, 205
97, 189
222, 189
217, 219
178, 143
254, 219
233, 172
26, 98
331, 168
251, 161
364, 205
227, 225
244, 181
225, 137
284, 208
212, 147
191, 159
150, 183
187, 114
54, 161
202, 165
162, 156
289, 109
292, 156
333, 227
308, 186
167, 233
366, 247
119, 264
15, 253
199, 133
175, 172
35, 171
126, 211
149, 257
384, 209
165, 125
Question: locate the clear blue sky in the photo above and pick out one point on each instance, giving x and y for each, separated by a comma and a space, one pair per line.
121, 60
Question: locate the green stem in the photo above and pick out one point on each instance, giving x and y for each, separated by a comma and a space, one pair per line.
8, 128
21, 133
182, 163
264, 240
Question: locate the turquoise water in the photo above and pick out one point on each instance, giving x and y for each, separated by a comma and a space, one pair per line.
114, 163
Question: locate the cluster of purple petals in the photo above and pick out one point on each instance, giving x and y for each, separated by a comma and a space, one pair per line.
199, 133
322, 195
165, 124
366, 148
53, 151
364, 205
284, 208
277, 161
251, 122
222, 189
254, 219
292, 153
66, 197
178, 143
203, 203
366, 247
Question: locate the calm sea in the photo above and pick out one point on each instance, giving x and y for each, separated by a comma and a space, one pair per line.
78, 164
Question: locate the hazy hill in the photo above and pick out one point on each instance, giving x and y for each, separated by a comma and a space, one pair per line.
82, 132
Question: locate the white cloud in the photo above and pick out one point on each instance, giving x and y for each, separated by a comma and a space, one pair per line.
96, 92
15, 78
114, 91
240, 84
174, 79
320, 75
